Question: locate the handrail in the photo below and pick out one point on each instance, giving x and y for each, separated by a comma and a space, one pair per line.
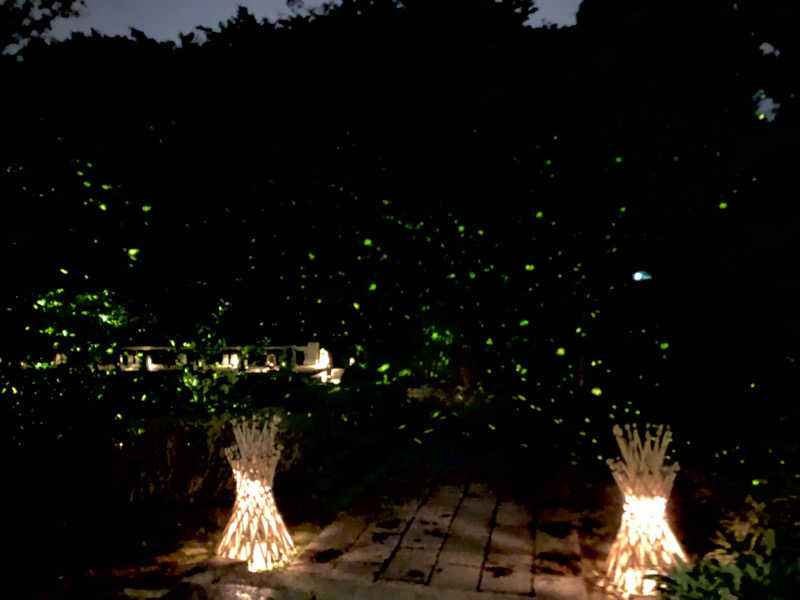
316, 361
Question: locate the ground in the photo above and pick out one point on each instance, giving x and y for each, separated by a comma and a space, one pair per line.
478, 532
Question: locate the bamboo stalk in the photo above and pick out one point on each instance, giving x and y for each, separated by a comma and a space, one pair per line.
644, 542
256, 531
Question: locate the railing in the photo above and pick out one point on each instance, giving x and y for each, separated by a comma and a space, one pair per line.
317, 361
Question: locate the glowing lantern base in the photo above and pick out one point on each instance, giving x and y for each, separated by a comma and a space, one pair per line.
645, 544
256, 531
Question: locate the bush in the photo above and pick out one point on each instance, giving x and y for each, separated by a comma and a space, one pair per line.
758, 557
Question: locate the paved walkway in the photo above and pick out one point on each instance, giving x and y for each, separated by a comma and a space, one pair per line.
458, 541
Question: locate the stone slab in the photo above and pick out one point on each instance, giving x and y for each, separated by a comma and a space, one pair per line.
429, 527
477, 489
412, 566
558, 587
547, 515
546, 543
456, 577
462, 559
507, 577
512, 514
339, 536
375, 552
512, 540
363, 571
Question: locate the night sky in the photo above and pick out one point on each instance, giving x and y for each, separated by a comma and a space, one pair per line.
163, 19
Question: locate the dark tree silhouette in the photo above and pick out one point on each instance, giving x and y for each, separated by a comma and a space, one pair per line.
21, 21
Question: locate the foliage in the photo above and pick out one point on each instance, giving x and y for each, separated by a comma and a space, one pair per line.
179, 460
21, 20
440, 212
758, 556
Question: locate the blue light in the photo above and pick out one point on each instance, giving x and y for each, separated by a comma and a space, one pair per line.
641, 276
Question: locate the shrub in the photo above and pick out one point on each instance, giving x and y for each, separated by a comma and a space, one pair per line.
758, 557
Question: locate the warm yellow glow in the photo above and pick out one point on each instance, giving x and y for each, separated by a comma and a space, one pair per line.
129, 363
644, 539
352, 361
645, 544
324, 360
256, 531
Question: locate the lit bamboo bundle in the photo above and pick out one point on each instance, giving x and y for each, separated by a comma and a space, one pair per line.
645, 544
256, 531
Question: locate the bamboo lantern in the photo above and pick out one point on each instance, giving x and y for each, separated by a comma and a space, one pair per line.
645, 544
256, 531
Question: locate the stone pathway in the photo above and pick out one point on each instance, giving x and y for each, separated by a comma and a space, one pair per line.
454, 542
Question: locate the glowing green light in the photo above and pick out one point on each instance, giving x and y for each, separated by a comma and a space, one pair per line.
618, 159
132, 252
597, 391
63, 271
539, 214
372, 287
147, 208
664, 345
489, 342
529, 267
102, 206
368, 242
524, 323
723, 205
561, 351
86, 184
383, 368
311, 256
356, 305
105, 186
